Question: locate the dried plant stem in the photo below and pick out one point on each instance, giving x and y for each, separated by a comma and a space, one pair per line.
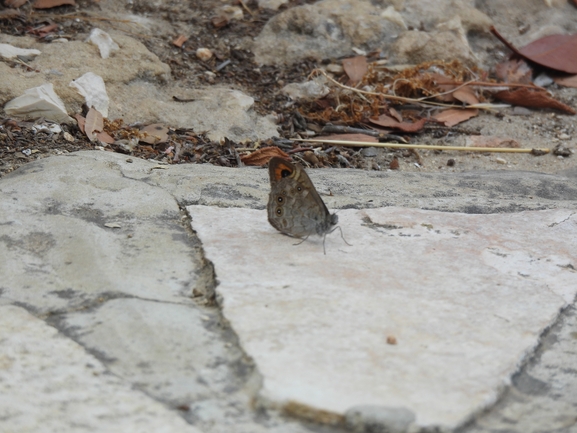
424, 146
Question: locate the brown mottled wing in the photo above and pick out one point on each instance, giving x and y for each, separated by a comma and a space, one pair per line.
295, 208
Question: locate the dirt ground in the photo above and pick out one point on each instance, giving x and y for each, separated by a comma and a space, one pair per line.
167, 20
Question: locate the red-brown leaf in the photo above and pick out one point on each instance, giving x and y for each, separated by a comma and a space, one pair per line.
355, 68
454, 116
388, 122
81, 122
47, 4
532, 98
466, 95
104, 137
94, 124
262, 156
555, 51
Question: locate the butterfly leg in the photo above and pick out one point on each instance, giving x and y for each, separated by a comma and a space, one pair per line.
298, 243
342, 236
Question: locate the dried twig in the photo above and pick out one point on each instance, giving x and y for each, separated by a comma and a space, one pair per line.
426, 146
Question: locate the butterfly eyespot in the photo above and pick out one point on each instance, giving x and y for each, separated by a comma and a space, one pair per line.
279, 199
299, 189
278, 211
285, 173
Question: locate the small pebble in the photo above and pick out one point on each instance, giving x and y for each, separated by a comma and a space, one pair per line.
501, 160
203, 54
369, 152
564, 136
451, 162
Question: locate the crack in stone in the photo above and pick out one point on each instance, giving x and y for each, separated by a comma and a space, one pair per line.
562, 221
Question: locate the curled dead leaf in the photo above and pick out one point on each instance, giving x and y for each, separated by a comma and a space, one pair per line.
532, 98
262, 156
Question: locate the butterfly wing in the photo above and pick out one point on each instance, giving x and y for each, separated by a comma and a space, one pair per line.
295, 208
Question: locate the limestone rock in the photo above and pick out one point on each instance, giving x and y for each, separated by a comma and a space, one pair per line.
329, 28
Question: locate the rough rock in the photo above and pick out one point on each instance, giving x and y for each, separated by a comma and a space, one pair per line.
414, 47
329, 28
139, 89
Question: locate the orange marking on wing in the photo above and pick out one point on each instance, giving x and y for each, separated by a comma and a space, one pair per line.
279, 169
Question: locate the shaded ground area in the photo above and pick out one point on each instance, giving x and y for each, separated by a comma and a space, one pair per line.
200, 25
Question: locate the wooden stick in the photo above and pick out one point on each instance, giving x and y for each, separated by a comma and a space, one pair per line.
424, 146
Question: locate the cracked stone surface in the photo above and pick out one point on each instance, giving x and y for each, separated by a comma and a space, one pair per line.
465, 296
105, 294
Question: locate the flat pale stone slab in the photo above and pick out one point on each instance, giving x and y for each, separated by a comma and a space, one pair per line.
49, 383
465, 296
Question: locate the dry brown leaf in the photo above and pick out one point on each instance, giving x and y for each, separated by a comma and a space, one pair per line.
395, 114
532, 98
81, 122
389, 122
454, 116
349, 137
570, 81
262, 156
94, 124
488, 141
514, 71
557, 52
445, 85
466, 95
104, 137
355, 68
154, 134
47, 4
179, 41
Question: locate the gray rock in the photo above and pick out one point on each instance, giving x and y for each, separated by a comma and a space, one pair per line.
414, 47
329, 28
376, 419
139, 87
